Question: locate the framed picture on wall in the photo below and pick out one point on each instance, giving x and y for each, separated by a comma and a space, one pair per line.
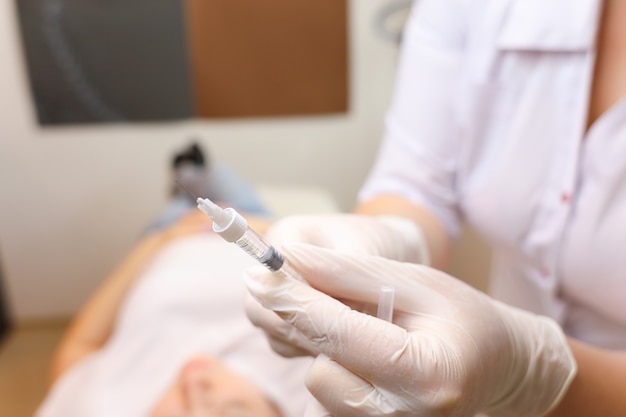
92, 61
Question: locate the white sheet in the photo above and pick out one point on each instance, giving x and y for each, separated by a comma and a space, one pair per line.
188, 301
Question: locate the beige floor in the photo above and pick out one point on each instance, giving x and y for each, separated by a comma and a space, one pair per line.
24, 362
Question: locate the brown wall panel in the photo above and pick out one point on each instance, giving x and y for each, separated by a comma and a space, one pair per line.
268, 58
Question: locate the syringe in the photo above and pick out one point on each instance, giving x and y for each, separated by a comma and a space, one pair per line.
232, 226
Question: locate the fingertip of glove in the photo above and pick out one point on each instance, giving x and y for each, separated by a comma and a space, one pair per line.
315, 409
257, 277
262, 282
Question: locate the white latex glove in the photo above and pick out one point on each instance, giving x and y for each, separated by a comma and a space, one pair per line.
392, 237
451, 350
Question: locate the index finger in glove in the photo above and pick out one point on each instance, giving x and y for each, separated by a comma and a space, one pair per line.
374, 349
283, 337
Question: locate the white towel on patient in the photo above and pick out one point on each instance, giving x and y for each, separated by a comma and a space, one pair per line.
189, 301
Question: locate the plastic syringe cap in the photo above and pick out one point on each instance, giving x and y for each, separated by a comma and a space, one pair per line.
226, 222
234, 229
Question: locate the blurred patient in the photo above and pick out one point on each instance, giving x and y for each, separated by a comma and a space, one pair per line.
166, 335
193, 168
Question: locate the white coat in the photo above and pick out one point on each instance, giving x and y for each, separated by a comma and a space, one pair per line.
488, 125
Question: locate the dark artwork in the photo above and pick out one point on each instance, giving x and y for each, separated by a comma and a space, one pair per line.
147, 60
106, 60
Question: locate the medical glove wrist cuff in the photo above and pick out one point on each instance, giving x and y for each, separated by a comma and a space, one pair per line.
541, 369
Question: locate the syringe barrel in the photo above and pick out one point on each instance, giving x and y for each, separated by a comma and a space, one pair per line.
257, 247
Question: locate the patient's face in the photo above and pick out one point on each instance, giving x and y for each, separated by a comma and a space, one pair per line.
206, 387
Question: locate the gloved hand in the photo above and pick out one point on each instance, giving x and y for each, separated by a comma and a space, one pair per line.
450, 351
392, 237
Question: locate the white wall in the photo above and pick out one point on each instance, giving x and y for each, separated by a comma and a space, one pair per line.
73, 200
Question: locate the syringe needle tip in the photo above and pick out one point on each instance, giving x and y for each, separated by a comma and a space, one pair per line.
187, 189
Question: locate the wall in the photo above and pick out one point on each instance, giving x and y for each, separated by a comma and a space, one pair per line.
73, 199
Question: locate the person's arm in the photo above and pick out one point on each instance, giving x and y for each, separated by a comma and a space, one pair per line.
93, 324
415, 171
450, 350
438, 240
597, 389
599, 386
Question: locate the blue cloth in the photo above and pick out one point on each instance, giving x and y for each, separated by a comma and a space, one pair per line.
223, 186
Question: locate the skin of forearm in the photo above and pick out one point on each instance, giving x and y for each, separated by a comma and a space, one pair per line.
599, 387
439, 244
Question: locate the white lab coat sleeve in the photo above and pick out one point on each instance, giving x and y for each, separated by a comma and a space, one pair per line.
417, 159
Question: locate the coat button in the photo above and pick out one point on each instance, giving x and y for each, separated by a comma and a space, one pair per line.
565, 198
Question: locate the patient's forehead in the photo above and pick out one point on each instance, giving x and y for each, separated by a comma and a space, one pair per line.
205, 386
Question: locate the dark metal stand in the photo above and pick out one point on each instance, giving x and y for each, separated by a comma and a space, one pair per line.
5, 322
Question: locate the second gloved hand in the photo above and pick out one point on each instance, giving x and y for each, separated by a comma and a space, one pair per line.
391, 237
451, 350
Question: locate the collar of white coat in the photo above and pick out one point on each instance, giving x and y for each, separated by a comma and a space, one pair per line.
550, 25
